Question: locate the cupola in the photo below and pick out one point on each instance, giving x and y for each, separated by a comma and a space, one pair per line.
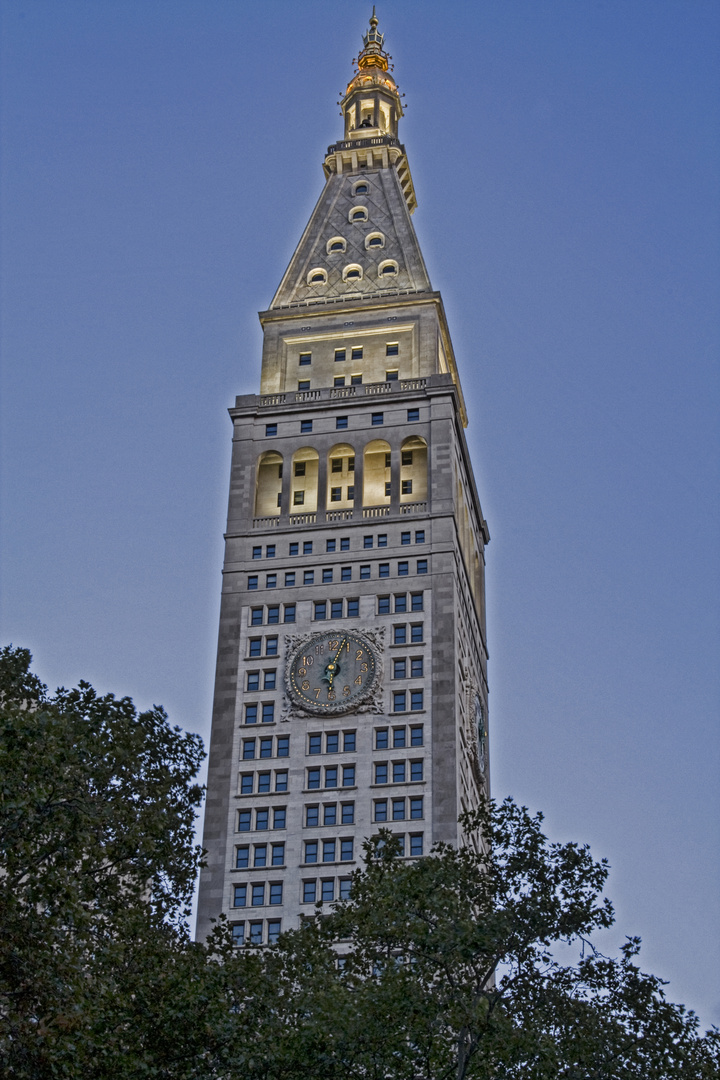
371, 105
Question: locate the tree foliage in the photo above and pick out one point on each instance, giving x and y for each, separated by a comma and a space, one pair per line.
442, 968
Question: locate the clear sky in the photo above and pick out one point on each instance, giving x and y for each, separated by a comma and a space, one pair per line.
160, 162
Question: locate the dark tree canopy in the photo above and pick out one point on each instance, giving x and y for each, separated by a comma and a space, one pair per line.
441, 968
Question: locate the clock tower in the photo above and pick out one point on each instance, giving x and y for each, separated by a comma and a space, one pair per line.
351, 684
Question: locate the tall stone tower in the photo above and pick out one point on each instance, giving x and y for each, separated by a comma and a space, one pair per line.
351, 686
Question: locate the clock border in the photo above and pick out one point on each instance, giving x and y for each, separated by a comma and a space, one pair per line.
372, 700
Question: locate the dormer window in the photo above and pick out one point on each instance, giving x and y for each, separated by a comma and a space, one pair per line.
352, 272
318, 276
358, 213
361, 188
374, 240
335, 243
388, 269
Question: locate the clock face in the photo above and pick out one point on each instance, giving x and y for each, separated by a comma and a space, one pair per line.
333, 672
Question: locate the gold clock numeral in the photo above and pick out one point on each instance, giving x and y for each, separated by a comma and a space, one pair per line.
346, 691
331, 695
333, 644
317, 693
307, 661
363, 667
305, 685
301, 671
358, 681
359, 654
319, 649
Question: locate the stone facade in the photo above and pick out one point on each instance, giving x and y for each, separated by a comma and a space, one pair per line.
352, 511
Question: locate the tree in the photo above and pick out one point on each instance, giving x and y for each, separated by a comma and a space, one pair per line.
97, 814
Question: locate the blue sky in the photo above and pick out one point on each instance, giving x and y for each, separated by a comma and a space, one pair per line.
160, 163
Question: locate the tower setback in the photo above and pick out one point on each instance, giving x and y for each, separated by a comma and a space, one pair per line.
351, 684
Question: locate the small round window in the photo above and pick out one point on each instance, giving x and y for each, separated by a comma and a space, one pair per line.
358, 213
318, 276
353, 272
374, 240
335, 244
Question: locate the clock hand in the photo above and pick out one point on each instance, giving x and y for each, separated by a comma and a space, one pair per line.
333, 667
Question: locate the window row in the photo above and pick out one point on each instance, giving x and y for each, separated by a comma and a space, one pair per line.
355, 352
262, 855
263, 748
353, 272
334, 776
325, 890
270, 614
331, 814
407, 700
329, 851
260, 710
262, 932
327, 576
356, 379
338, 545
408, 667
341, 422
268, 678
416, 636
332, 742
255, 646
397, 809
260, 783
399, 737
263, 816
258, 894
400, 603
398, 772
333, 609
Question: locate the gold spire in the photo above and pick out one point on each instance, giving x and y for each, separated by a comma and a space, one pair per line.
373, 54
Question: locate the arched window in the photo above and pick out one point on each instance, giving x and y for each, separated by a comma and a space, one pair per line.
352, 272
358, 213
341, 477
361, 188
413, 470
374, 240
304, 481
268, 485
376, 473
387, 270
318, 276
335, 244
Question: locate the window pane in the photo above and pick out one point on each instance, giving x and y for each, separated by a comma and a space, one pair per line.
398, 809
258, 895
330, 814
242, 858
328, 851
311, 851
349, 742
312, 815
314, 744
260, 855
309, 889
333, 743
262, 820
381, 809
398, 772
278, 854
381, 739
240, 896
348, 813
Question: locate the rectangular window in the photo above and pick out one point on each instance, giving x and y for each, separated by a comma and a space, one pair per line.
356, 380
422, 566
406, 457
240, 896
412, 415
290, 578
283, 746
398, 737
313, 779
336, 609
252, 581
320, 610
388, 488
260, 855
341, 423
339, 380
256, 616
403, 569
238, 933
400, 603
381, 810
391, 376
384, 569
383, 605
274, 927
388, 460
382, 540
304, 359
349, 742
275, 893
255, 646
398, 809
308, 577
356, 353
278, 855
330, 545
330, 814
263, 782
345, 543
335, 494
273, 614
405, 538
401, 843
294, 549
256, 933
271, 646
346, 850
416, 601
416, 736
392, 348
251, 713
416, 808
416, 700
351, 493
289, 613
244, 821
368, 541
398, 772
328, 851
327, 576
257, 553
336, 464
307, 547
339, 355
377, 419
406, 487
348, 813
309, 890
381, 773
364, 573
332, 743
399, 635
271, 581
242, 857
281, 781
348, 776
416, 845
331, 776
419, 536
246, 783
314, 744
344, 888
346, 573
327, 891
305, 426
248, 749
299, 468
312, 816
304, 384
399, 701
279, 817
353, 609
279, 497
262, 820
268, 712
269, 680
416, 632
416, 770
381, 738
270, 430
416, 667
399, 669
298, 498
